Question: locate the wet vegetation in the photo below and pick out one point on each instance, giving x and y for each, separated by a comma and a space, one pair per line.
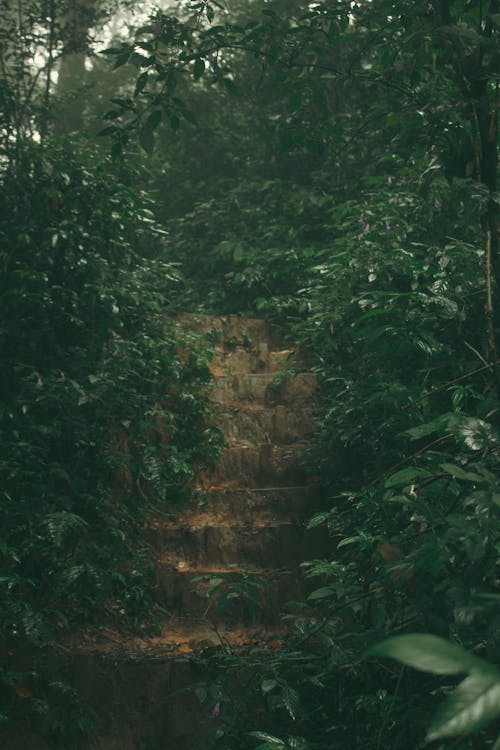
331, 166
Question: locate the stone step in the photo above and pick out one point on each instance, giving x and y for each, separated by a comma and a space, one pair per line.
263, 388
295, 502
224, 504
275, 424
230, 330
254, 465
256, 359
138, 691
228, 594
275, 545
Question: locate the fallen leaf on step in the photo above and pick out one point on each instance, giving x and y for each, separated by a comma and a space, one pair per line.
185, 648
276, 644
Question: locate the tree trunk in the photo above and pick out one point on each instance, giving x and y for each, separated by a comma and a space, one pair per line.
77, 22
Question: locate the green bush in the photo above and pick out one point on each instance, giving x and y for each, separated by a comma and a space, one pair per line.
103, 412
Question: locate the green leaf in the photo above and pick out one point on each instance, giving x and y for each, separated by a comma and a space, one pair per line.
199, 68
318, 519
406, 476
268, 685
107, 131
422, 430
268, 740
153, 120
475, 702
141, 83
291, 701
429, 654
348, 540
147, 140
322, 593
230, 86
459, 473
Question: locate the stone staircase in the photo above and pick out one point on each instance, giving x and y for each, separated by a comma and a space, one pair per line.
245, 542
228, 564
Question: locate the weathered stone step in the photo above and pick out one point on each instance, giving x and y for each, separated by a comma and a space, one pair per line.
255, 359
254, 465
232, 330
275, 424
263, 388
228, 594
296, 503
276, 545
225, 505
139, 692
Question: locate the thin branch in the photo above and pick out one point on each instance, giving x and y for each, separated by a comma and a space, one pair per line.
403, 462
451, 382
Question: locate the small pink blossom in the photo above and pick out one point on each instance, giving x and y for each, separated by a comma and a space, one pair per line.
361, 219
423, 527
366, 229
388, 226
309, 307
39, 383
216, 709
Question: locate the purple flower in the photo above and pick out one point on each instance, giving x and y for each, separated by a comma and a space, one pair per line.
216, 709
423, 527
39, 383
388, 225
361, 219
309, 307
399, 66
366, 229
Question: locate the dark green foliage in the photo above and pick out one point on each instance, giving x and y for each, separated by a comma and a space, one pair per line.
332, 166
350, 195
103, 414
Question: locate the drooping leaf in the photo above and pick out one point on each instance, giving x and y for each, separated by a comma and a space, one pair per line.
406, 476
429, 653
199, 68
459, 473
322, 593
475, 702
147, 140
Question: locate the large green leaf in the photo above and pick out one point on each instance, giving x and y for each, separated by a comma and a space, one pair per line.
430, 654
406, 476
474, 703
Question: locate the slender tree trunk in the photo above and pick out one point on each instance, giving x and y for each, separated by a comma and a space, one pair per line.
76, 23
